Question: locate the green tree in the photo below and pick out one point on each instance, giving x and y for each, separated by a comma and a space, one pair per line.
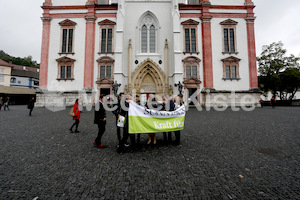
290, 83
273, 63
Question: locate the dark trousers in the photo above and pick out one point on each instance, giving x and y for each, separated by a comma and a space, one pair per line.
75, 123
118, 129
6, 106
169, 138
126, 135
30, 111
177, 136
101, 130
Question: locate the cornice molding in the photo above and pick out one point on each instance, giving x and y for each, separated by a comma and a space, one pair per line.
250, 20
105, 59
67, 22
229, 22
90, 18
107, 22
231, 59
190, 22
46, 20
206, 18
65, 59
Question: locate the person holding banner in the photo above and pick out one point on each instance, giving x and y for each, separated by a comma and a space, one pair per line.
100, 120
124, 112
117, 115
151, 104
167, 105
177, 104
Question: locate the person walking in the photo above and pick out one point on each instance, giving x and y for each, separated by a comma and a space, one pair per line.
273, 102
76, 117
261, 103
100, 120
1, 103
6, 103
31, 105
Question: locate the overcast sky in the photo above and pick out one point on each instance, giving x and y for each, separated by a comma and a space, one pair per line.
21, 26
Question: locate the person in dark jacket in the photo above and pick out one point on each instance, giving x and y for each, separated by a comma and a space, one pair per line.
76, 117
100, 119
117, 115
167, 105
177, 104
31, 105
6, 103
125, 137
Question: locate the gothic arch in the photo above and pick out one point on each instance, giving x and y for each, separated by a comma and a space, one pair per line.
149, 67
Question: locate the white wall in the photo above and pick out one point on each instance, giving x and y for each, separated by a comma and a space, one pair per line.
242, 49
228, 2
162, 10
68, 2
79, 50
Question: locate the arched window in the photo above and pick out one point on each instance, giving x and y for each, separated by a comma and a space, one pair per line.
144, 42
152, 39
148, 33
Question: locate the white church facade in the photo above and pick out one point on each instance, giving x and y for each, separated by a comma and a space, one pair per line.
149, 46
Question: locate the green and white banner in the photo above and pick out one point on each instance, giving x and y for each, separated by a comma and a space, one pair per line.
142, 120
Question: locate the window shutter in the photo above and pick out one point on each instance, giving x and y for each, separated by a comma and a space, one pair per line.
64, 41
226, 44
70, 42
188, 71
69, 72
187, 40
144, 39
109, 41
102, 72
103, 41
232, 42
152, 39
62, 72
193, 39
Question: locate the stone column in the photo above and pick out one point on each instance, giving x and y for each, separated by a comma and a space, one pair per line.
129, 65
251, 52
207, 49
45, 52
89, 52
167, 66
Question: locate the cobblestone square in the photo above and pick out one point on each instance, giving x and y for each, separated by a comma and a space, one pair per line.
223, 155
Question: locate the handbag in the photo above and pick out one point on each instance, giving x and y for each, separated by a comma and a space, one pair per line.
121, 121
71, 113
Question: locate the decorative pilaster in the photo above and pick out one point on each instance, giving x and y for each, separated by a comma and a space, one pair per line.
249, 3
45, 52
251, 52
129, 64
89, 51
167, 65
207, 51
47, 3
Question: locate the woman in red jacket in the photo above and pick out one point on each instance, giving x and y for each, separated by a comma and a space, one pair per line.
76, 117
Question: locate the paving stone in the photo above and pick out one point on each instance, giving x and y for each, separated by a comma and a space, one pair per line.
40, 158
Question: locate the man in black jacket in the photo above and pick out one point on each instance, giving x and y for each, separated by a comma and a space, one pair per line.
100, 119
